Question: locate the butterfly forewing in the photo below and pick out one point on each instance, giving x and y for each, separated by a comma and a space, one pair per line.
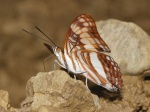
83, 35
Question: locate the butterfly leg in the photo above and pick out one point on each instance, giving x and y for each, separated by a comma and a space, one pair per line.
75, 77
55, 64
86, 80
45, 60
78, 72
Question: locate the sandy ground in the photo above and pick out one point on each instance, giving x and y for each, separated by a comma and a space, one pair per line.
21, 55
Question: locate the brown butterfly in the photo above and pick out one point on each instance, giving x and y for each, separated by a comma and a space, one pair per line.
84, 54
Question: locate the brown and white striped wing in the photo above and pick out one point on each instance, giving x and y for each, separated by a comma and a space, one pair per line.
83, 34
101, 69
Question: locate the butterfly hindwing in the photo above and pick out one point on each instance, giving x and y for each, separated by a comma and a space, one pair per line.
111, 69
101, 69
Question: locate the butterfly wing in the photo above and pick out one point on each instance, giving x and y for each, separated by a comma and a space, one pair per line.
101, 69
83, 35
82, 50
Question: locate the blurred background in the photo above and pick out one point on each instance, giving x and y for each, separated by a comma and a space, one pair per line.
21, 55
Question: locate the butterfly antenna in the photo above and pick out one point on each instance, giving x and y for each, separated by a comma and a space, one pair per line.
45, 35
34, 35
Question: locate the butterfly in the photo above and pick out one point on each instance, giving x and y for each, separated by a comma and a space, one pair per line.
84, 53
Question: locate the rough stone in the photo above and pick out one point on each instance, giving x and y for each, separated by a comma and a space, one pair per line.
134, 96
57, 91
4, 99
2, 109
129, 44
60, 92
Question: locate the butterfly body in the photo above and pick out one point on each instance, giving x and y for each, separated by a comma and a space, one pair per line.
84, 53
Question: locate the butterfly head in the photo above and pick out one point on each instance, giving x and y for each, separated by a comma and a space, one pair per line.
53, 49
57, 51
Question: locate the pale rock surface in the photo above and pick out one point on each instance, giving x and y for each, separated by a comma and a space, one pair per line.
129, 44
135, 97
58, 91
4, 100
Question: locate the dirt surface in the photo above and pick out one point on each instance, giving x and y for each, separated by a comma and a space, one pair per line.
21, 55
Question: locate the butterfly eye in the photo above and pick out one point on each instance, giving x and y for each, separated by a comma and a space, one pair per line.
58, 50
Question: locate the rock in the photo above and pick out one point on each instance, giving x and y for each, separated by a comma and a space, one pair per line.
4, 102
134, 93
59, 92
4, 99
2, 109
129, 44
134, 97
